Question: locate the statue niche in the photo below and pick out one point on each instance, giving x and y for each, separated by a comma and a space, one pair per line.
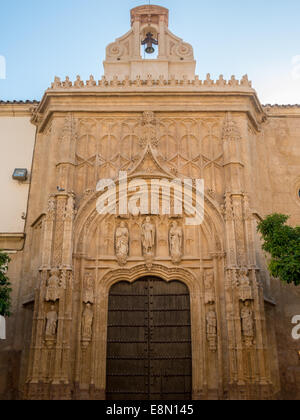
51, 323
122, 243
175, 242
87, 323
247, 323
53, 287
88, 292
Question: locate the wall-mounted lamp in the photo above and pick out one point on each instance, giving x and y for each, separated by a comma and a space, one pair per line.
20, 174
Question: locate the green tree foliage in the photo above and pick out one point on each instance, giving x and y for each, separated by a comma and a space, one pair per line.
5, 289
282, 242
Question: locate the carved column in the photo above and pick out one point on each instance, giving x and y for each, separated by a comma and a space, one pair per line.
245, 353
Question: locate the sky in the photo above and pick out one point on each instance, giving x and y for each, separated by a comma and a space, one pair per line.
42, 39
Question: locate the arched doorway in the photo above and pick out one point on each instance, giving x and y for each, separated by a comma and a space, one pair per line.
149, 353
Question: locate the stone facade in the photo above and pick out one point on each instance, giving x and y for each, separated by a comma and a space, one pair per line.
165, 125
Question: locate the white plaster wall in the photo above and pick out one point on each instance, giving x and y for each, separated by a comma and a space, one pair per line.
17, 136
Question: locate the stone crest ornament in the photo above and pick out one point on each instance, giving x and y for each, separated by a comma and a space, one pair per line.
122, 243
53, 287
211, 330
175, 242
247, 323
245, 291
88, 292
51, 323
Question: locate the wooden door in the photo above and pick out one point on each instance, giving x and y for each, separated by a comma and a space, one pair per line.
149, 341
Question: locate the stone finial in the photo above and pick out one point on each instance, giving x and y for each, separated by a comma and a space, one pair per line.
138, 81
78, 83
126, 81
173, 81
103, 82
57, 83
233, 82
91, 82
67, 83
208, 81
221, 81
245, 81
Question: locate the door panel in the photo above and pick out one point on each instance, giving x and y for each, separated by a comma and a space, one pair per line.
149, 341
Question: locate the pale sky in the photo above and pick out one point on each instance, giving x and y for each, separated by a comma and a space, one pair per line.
41, 39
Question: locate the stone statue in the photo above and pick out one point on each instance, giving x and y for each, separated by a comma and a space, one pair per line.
245, 291
53, 289
88, 292
122, 243
87, 322
175, 242
51, 324
148, 237
209, 289
247, 323
211, 329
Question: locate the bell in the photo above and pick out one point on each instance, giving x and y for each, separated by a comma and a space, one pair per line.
149, 50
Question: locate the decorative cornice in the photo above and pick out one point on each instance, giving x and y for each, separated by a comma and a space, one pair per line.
282, 110
12, 241
17, 108
150, 82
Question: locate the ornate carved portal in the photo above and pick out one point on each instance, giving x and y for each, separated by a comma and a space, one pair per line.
84, 253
